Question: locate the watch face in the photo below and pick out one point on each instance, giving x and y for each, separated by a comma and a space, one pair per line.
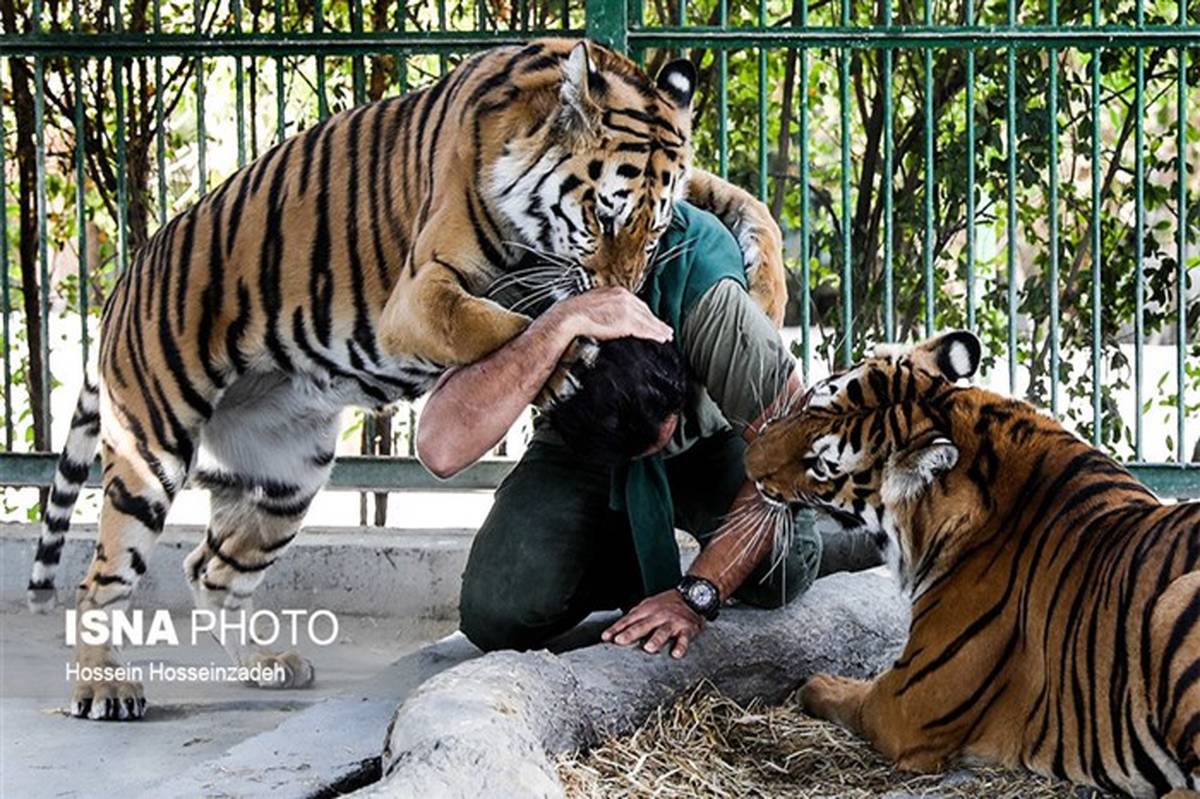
702, 594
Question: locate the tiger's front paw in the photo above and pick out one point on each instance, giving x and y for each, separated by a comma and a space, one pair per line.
833, 698
282, 670
41, 600
108, 700
565, 381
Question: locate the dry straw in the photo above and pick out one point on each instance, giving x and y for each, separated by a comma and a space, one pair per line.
707, 745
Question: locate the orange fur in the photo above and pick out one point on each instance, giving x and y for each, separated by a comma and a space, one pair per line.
1055, 600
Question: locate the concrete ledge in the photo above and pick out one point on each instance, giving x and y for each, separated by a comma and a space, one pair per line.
381, 572
489, 727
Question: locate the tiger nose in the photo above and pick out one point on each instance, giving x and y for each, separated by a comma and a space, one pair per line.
608, 224
767, 492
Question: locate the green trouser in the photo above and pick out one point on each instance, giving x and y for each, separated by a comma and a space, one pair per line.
551, 551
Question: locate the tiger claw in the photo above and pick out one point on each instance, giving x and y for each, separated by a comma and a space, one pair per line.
99, 700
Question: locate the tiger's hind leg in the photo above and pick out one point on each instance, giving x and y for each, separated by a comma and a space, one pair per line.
141, 477
265, 455
249, 529
1175, 674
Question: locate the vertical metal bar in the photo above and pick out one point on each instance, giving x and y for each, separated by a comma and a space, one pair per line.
39, 125
847, 241
319, 27
970, 20
889, 286
1052, 199
443, 65
80, 188
1010, 253
723, 95
201, 136
280, 104
401, 58
1181, 98
681, 10
160, 128
930, 298
805, 211
239, 88
1139, 287
608, 23
4, 289
1096, 244
358, 69
762, 107
118, 66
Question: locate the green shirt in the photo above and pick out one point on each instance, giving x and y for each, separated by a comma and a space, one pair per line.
737, 366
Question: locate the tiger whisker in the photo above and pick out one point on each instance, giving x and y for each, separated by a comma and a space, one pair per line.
752, 536
670, 252
539, 295
549, 256
528, 281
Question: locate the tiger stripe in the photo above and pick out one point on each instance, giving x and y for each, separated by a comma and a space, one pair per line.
1055, 600
351, 265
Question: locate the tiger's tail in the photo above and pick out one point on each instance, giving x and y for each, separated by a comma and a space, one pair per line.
73, 466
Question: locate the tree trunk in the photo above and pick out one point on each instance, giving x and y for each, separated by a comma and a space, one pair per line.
27, 248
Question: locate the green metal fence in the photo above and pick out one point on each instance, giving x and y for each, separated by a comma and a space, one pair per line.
958, 133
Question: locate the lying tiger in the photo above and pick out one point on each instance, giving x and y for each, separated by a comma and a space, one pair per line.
350, 265
1055, 600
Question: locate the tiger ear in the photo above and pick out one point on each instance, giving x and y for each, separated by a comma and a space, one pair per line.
956, 355
678, 80
913, 469
579, 111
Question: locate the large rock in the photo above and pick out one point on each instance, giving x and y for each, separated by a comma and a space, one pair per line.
490, 727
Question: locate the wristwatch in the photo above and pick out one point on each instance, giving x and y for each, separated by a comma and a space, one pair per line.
700, 595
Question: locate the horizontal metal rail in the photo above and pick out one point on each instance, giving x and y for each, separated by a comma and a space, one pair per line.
360, 473
184, 45
54, 45
942, 37
357, 473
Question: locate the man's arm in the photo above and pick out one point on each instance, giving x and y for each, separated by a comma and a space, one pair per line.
734, 551
471, 408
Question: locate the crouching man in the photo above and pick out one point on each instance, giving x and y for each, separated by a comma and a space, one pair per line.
652, 440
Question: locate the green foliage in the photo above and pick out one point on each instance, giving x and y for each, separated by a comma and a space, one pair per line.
348, 80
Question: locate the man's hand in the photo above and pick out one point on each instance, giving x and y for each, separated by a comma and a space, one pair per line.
472, 407
605, 314
661, 618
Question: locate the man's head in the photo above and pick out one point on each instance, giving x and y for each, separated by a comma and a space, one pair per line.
627, 404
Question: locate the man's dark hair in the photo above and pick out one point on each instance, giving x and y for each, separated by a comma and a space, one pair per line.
624, 398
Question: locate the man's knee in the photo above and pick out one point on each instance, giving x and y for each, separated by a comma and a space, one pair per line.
492, 622
774, 585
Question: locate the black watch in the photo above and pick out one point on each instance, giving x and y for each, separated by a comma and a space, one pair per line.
700, 595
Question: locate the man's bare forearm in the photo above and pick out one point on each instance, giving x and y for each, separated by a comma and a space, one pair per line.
473, 407
735, 550
741, 544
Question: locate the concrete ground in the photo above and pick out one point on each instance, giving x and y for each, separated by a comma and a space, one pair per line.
44, 753
394, 593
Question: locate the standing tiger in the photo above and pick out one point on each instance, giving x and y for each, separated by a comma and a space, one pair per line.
1055, 600
350, 265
